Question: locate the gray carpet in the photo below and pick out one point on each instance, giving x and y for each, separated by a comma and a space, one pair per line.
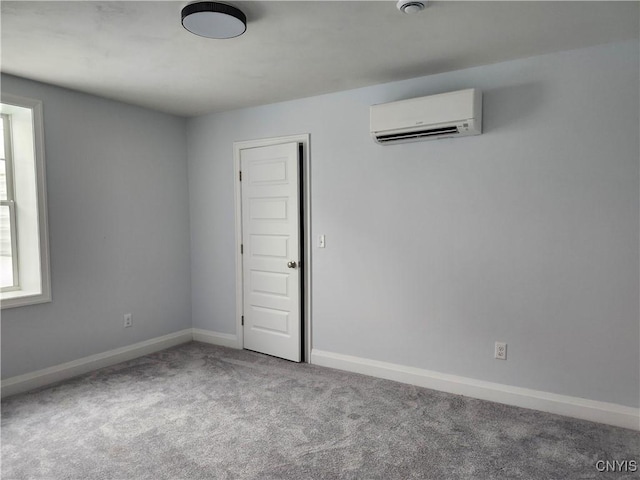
199, 411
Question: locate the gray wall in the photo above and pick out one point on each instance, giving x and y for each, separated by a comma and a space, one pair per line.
526, 234
118, 229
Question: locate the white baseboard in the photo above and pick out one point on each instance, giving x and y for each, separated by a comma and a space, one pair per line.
215, 338
595, 411
46, 376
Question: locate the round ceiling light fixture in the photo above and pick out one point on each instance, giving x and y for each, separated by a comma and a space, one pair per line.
214, 20
411, 6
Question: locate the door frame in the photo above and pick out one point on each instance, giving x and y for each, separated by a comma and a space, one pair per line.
303, 139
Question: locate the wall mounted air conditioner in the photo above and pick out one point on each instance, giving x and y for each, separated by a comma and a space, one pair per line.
453, 114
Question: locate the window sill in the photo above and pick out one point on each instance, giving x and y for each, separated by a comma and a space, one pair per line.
21, 298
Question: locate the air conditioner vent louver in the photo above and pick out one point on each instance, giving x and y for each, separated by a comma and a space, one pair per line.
453, 114
431, 132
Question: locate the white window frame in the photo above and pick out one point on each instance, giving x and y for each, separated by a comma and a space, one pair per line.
30, 203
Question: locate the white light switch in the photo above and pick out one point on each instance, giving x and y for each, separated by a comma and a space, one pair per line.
320, 241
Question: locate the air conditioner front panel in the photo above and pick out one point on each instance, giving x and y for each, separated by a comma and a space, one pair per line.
435, 109
460, 129
452, 114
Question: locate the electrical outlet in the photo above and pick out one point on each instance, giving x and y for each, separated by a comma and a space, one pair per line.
500, 351
321, 243
127, 320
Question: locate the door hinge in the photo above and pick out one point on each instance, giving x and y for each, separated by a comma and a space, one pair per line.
243, 320
241, 249
240, 175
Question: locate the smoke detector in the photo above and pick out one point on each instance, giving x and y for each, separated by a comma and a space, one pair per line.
411, 6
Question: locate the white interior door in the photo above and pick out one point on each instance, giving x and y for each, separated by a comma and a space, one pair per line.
271, 250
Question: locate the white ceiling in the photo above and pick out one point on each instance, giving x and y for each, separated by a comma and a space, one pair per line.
139, 53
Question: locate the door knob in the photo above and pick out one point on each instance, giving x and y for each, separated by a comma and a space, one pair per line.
292, 265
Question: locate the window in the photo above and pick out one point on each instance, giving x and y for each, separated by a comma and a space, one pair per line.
24, 248
8, 255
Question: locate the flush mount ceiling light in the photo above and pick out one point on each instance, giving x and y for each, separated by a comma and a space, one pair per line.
411, 6
214, 20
